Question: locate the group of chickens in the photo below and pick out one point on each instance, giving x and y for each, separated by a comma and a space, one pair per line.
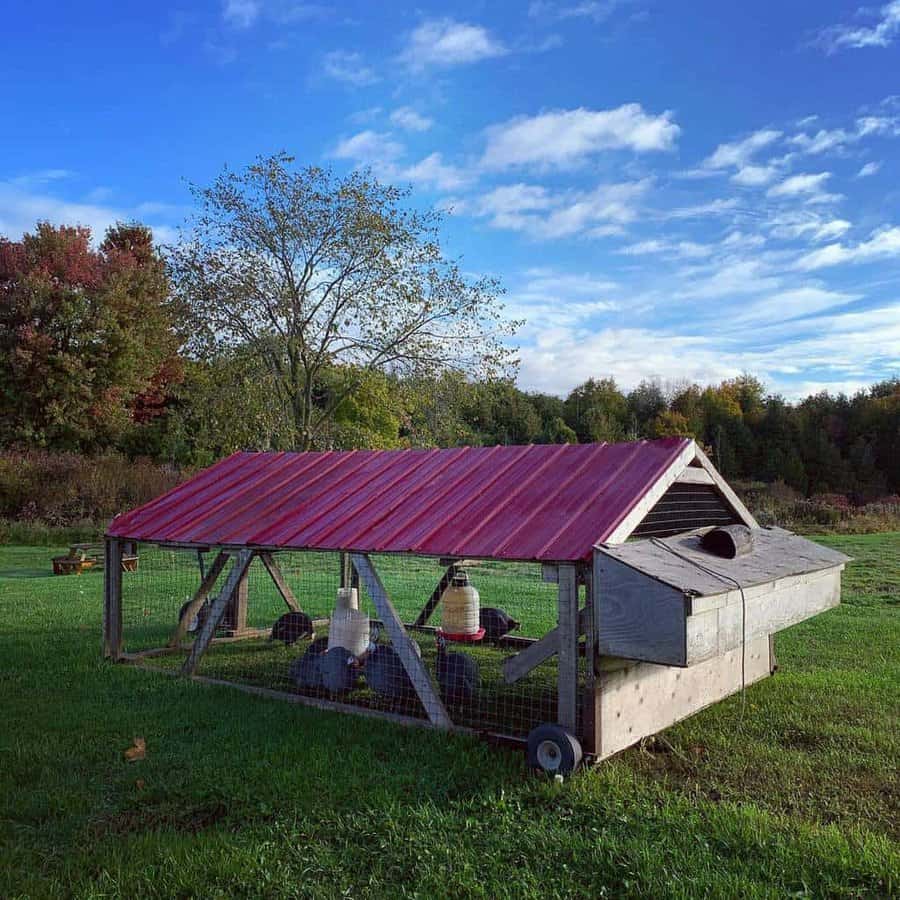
338, 671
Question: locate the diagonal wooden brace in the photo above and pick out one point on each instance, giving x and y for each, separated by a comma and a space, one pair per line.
518, 666
435, 598
206, 586
401, 642
217, 611
277, 577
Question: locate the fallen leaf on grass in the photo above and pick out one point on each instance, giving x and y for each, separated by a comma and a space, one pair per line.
139, 784
138, 750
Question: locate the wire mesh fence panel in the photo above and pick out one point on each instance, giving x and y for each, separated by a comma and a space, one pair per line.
331, 651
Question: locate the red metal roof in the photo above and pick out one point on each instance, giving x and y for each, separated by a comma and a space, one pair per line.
540, 502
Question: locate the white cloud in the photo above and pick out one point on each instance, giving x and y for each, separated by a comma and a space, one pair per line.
880, 34
870, 168
543, 214
716, 207
792, 304
407, 118
348, 66
549, 298
754, 176
369, 147
675, 249
793, 225
21, 209
597, 10
433, 171
241, 13
883, 244
445, 42
799, 184
565, 138
822, 141
738, 154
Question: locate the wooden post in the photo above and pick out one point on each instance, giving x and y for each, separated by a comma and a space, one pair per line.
112, 600
346, 570
590, 702
217, 611
206, 586
277, 577
401, 642
567, 672
234, 621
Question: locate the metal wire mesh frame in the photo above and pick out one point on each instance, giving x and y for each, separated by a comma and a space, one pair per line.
575, 707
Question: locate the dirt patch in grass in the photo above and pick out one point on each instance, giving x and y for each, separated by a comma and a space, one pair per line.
139, 820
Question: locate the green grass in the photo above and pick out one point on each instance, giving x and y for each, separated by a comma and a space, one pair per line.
792, 792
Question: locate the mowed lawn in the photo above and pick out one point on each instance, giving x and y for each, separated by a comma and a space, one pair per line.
792, 791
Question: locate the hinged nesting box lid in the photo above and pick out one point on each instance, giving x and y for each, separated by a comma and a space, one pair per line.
682, 562
671, 601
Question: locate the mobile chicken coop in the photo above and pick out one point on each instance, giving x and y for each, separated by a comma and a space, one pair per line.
587, 595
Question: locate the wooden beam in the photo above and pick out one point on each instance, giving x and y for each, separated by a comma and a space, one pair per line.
402, 643
567, 671
550, 573
277, 577
346, 570
206, 586
518, 666
112, 600
217, 611
590, 701
731, 497
435, 598
693, 475
650, 499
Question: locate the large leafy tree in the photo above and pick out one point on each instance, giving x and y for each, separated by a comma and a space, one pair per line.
318, 273
84, 333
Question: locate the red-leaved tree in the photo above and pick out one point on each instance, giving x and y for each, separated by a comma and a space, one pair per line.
87, 336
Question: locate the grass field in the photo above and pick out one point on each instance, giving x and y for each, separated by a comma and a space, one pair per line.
793, 792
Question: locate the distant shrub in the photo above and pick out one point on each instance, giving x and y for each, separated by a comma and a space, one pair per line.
776, 504
64, 490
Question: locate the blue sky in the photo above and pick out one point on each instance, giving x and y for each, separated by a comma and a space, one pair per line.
667, 190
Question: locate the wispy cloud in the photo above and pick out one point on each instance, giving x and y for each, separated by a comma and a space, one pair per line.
869, 169
597, 10
439, 43
738, 154
879, 33
799, 184
407, 118
349, 67
434, 172
566, 138
25, 200
241, 13
882, 244
542, 213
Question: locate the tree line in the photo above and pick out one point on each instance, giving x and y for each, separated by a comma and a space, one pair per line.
304, 311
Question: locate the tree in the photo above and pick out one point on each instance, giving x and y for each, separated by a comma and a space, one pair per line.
597, 411
317, 272
83, 334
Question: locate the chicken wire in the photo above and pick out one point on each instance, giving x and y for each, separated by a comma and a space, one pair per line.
473, 689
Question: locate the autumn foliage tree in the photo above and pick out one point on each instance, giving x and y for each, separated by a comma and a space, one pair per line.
326, 276
87, 336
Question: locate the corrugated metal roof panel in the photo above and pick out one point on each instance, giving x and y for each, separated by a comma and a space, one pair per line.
540, 502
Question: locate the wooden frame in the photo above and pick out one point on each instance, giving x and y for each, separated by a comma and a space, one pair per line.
567, 672
112, 600
401, 642
217, 611
277, 577
206, 585
432, 603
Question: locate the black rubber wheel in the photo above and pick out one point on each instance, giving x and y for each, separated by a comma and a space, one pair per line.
554, 750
